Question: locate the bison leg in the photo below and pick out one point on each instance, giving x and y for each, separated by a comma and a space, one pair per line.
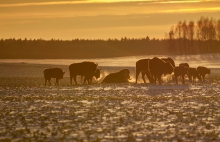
203, 77
143, 74
152, 78
176, 78
49, 81
183, 81
149, 77
71, 80
194, 78
57, 81
159, 79
190, 78
137, 74
45, 82
86, 79
89, 80
74, 78
82, 80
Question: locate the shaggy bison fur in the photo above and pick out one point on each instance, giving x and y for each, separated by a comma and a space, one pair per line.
117, 77
53, 73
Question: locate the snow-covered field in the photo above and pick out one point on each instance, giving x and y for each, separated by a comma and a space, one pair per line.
106, 112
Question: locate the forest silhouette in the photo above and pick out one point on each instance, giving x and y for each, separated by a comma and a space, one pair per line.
202, 36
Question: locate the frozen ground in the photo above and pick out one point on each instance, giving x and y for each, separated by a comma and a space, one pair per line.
106, 112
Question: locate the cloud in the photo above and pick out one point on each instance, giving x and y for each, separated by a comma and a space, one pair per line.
43, 3
65, 9
24, 3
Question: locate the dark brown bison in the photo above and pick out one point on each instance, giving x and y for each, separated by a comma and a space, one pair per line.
53, 73
142, 66
169, 60
203, 71
117, 77
84, 69
158, 67
180, 71
193, 74
184, 64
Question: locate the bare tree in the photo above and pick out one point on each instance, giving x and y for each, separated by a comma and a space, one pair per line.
205, 33
218, 29
178, 33
211, 33
171, 40
185, 33
199, 34
191, 32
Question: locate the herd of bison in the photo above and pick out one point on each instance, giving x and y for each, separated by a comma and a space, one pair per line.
153, 68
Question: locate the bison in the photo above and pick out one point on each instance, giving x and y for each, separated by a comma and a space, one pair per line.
193, 73
84, 69
158, 67
202, 71
142, 66
180, 71
53, 73
117, 77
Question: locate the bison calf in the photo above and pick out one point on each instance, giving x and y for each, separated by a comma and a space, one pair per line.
53, 73
193, 73
117, 77
180, 71
202, 71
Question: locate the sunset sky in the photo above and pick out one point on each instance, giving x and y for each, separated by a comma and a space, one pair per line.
98, 19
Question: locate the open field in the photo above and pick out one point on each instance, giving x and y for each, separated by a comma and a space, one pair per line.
105, 112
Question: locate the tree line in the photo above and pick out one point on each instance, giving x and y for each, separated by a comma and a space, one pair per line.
80, 48
202, 36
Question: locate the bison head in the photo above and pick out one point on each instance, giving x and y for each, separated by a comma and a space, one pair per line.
125, 73
168, 69
208, 71
97, 73
61, 74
